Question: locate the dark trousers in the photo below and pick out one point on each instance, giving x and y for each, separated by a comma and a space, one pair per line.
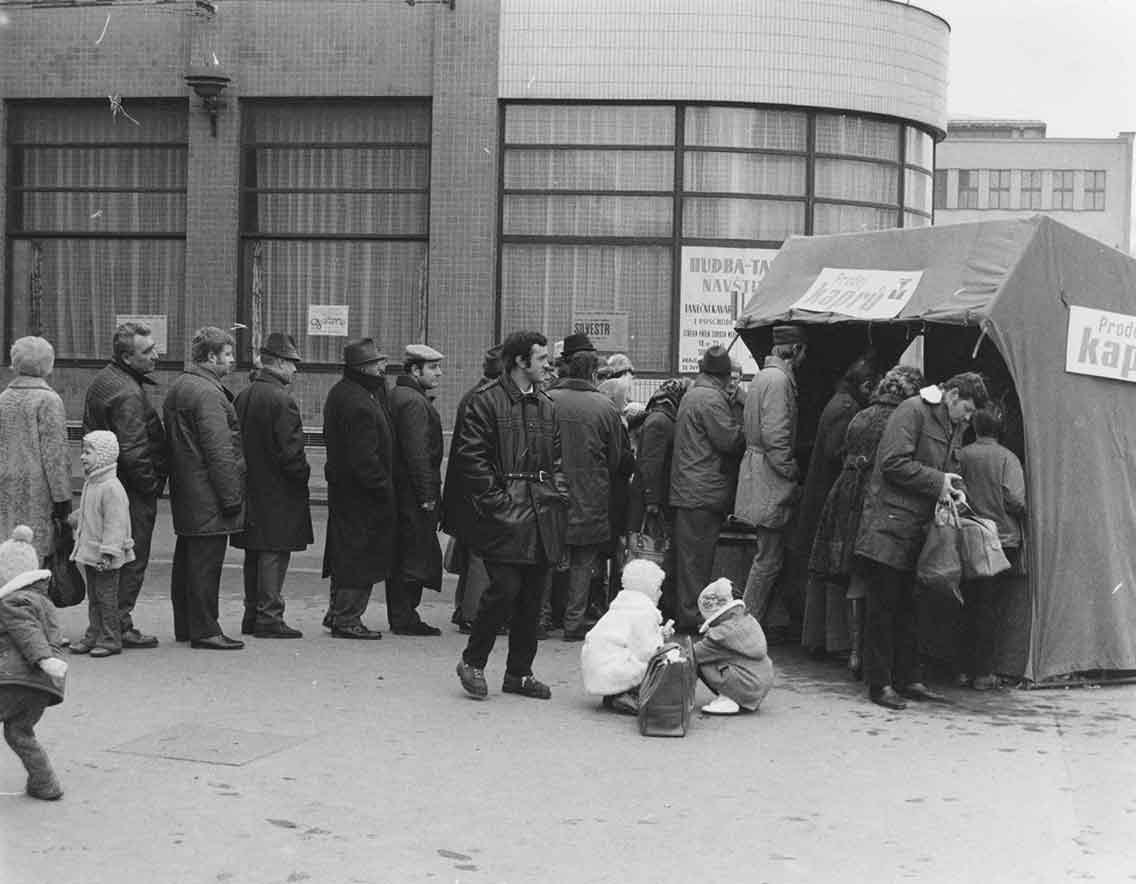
143, 512
404, 595
695, 538
195, 583
21, 708
264, 574
581, 561
977, 625
765, 571
348, 604
513, 596
102, 609
891, 636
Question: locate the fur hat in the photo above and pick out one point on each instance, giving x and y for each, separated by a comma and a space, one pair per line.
19, 562
32, 357
643, 575
715, 600
715, 361
105, 446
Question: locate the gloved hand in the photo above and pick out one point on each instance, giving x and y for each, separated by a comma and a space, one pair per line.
53, 666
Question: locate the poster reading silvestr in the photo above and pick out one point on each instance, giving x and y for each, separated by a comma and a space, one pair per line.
717, 284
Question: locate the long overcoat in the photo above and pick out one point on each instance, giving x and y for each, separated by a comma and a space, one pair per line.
35, 464
418, 481
767, 479
279, 514
707, 445
457, 510
361, 513
117, 401
650, 486
918, 446
207, 462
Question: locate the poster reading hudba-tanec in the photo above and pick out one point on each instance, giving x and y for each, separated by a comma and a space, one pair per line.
717, 284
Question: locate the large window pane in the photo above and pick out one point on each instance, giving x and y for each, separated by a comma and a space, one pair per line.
589, 169
589, 124
746, 127
920, 148
918, 190
709, 218
744, 173
587, 215
851, 180
366, 214
543, 285
350, 168
65, 122
94, 212
142, 167
856, 136
851, 219
330, 120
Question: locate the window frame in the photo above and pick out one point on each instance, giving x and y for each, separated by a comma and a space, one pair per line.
971, 192
1090, 202
999, 182
1067, 194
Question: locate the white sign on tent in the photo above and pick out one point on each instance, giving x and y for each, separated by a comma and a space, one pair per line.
863, 294
1101, 343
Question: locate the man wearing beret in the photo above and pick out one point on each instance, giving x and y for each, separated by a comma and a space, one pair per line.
418, 483
767, 481
279, 519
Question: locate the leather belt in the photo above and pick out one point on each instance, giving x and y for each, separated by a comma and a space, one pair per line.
540, 476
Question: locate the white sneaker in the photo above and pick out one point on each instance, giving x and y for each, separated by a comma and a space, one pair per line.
721, 706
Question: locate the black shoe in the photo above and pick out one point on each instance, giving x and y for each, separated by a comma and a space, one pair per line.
220, 642
418, 628
921, 693
887, 697
526, 686
473, 680
358, 630
132, 638
277, 630
248, 627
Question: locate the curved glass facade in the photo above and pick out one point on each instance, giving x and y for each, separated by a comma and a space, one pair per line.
598, 200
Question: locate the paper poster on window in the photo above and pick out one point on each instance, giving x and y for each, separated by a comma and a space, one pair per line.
864, 294
329, 320
1101, 343
607, 331
716, 286
159, 327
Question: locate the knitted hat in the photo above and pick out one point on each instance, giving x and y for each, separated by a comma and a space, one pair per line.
715, 600
19, 562
643, 575
104, 444
715, 361
32, 357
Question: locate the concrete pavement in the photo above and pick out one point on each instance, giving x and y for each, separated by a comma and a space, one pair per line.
325, 760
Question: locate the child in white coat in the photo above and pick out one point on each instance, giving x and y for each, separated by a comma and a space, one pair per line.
617, 649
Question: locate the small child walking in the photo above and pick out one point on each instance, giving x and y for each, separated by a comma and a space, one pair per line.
732, 657
32, 674
102, 542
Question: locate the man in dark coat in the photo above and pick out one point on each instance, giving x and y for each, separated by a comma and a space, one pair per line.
916, 465
597, 452
708, 443
207, 487
361, 503
279, 518
117, 401
509, 458
418, 482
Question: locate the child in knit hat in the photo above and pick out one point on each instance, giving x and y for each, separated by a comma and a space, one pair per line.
31, 671
102, 542
732, 657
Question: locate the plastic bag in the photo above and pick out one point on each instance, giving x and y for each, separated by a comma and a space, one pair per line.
940, 564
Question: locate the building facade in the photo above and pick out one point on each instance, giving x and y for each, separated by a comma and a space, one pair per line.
419, 171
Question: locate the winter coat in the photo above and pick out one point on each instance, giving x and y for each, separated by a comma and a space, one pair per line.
617, 649
207, 462
767, 479
652, 480
918, 446
733, 658
29, 632
597, 453
102, 523
508, 456
825, 465
418, 480
707, 445
361, 502
35, 463
278, 516
117, 401
839, 522
456, 507
995, 487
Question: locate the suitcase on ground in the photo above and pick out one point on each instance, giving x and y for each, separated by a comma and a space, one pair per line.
666, 696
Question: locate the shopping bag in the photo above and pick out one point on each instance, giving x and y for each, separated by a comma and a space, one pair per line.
666, 694
980, 549
67, 585
455, 558
643, 544
939, 567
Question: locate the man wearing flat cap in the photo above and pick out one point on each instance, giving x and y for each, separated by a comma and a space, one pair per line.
361, 502
767, 481
278, 516
418, 483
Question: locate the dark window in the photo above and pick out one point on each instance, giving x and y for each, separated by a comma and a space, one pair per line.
968, 189
940, 188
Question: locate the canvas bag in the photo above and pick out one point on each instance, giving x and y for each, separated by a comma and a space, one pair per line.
979, 547
666, 694
939, 567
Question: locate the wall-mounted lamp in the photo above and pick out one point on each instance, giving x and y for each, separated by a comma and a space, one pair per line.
209, 84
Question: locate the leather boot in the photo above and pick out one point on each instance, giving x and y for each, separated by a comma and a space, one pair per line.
856, 634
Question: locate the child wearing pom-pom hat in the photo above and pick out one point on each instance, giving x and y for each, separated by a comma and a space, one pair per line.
31, 671
732, 656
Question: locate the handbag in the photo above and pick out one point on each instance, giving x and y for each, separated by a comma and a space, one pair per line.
666, 694
642, 544
980, 549
939, 567
68, 587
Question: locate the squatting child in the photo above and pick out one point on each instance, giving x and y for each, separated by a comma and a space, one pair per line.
31, 671
102, 542
732, 656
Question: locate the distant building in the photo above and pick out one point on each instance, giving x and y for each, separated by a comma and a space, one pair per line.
990, 169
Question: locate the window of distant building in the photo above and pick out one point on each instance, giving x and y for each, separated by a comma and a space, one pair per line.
1031, 189
1094, 190
999, 189
968, 189
940, 188
1062, 189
